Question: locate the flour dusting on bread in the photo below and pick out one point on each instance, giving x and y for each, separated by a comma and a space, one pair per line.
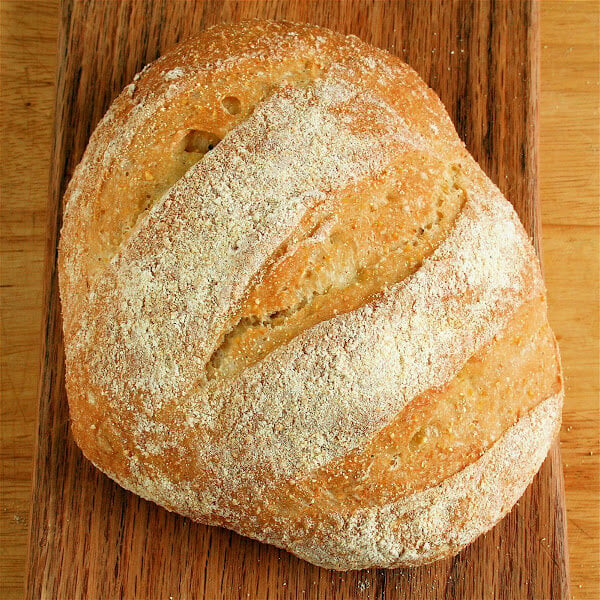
276, 243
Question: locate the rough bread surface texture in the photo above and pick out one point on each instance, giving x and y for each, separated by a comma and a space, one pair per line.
294, 306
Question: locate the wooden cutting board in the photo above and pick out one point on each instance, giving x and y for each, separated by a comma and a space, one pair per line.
91, 539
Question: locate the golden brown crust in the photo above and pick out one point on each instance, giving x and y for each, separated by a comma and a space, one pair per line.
444, 428
432, 524
276, 252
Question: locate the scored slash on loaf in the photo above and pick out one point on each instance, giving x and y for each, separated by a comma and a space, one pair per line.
294, 305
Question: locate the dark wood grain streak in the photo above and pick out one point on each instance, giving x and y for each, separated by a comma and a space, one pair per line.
91, 539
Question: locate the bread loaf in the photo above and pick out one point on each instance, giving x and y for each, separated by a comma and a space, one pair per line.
294, 305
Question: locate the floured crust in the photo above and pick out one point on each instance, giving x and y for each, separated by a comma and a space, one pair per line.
435, 523
225, 167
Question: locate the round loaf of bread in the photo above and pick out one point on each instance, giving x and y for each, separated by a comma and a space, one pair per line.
294, 306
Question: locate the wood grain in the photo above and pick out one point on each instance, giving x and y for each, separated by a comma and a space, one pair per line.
570, 192
569, 73
27, 90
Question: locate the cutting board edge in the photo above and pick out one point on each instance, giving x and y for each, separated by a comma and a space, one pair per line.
52, 321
